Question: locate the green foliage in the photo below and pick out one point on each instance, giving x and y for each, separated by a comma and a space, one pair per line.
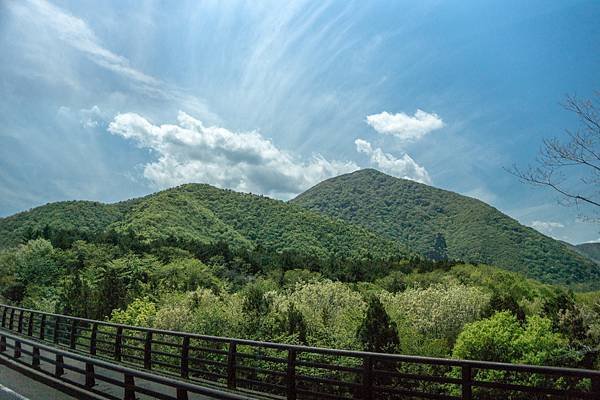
216, 262
439, 251
140, 312
490, 339
202, 311
377, 332
34, 263
413, 214
332, 311
590, 250
204, 214
185, 274
437, 312
504, 338
295, 326
62, 223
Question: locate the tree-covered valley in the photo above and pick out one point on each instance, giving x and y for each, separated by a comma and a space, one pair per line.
363, 261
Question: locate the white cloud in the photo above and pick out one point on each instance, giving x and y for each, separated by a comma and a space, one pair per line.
403, 167
593, 241
41, 15
546, 227
404, 126
192, 152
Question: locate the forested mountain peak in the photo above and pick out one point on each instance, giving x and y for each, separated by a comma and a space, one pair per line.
418, 215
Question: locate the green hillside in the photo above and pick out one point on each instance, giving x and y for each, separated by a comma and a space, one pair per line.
202, 214
84, 217
413, 214
591, 250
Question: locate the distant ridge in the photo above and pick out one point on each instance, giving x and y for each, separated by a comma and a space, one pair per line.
590, 250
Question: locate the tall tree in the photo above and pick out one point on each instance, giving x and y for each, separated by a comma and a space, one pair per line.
439, 252
378, 332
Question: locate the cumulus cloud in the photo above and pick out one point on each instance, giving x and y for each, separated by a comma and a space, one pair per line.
403, 167
546, 227
192, 152
404, 126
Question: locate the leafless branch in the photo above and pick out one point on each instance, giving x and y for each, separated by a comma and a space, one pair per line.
561, 164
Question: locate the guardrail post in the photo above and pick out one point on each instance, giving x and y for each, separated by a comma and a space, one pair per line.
367, 381
73, 334
90, 376
20, 322
2, 344
35, 357
231, 365
129, 392
182, 394
118, 343
59, 366
12, 317
148, 350
4, 316
93, 337
291, 374
30, 324
43, 327
56, 329
17, 349
467, 382
185, 353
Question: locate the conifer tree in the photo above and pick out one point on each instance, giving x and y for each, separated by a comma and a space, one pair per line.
378, 332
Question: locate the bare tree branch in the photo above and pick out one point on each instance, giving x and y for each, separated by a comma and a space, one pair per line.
561, 164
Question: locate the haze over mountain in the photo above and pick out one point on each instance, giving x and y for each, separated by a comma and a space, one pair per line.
413, 214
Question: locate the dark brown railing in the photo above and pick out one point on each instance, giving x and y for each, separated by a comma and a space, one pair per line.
298, 372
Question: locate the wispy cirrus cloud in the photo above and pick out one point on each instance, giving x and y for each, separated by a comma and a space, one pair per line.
246, 161
75, 33
404, 126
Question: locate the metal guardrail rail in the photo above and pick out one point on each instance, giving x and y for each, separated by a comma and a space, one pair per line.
62, 360
291, 371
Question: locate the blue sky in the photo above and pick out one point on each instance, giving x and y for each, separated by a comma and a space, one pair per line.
112, 100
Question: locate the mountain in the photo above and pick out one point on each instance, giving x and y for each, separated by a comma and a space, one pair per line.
200, 213
590, 250
84, 217
414, 214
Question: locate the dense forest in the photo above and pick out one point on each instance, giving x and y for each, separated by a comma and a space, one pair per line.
412, 214
200, 259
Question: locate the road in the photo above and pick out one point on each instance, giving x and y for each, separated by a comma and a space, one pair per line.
29, 388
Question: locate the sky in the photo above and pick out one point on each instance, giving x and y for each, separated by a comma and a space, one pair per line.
116, 99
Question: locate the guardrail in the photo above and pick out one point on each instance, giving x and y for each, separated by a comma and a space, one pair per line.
299, 372
62, 360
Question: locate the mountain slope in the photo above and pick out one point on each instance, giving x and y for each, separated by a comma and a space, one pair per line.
413, 214
590, 250
85, 217
204, 214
